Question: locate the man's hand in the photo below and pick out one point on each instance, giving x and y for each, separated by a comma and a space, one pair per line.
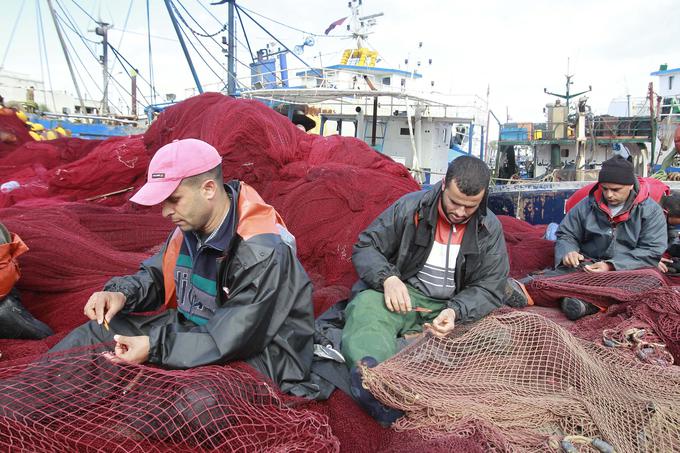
132, 349
600, 266
442, 324
663, 264
572, 259
396, 295
104, 304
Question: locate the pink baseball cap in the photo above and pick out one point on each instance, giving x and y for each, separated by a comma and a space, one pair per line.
171, 164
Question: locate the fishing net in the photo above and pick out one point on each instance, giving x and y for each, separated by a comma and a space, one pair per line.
528, 251
527, 384
72, 212
598, 288
327, 189
13, 131
86, 402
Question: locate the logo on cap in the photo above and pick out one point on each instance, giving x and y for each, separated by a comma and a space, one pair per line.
157, 175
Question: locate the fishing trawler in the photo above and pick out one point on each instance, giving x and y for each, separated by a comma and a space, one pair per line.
540, 165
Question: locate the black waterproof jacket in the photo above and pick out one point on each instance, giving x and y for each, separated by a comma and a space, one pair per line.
267, 318
398, 242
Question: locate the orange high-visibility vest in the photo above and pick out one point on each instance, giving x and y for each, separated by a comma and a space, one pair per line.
9, 268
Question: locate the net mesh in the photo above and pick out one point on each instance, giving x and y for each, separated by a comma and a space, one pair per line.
85, 402
600, 288
72, 212
525, 384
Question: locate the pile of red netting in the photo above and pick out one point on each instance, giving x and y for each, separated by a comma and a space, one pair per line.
71, 210
60, 403
526, 384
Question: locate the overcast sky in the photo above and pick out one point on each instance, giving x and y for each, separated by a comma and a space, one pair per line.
517, 47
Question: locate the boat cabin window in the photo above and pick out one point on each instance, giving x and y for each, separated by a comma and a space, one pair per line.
670, 82
564, 152
404, 131
386, 80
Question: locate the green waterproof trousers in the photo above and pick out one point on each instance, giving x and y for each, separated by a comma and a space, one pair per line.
372, 330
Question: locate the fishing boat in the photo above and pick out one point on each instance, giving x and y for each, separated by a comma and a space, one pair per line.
540, 165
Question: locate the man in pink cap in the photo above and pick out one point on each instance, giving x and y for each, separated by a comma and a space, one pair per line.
228, 276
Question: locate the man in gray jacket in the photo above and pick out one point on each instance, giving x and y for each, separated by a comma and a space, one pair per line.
433, 259
617, 227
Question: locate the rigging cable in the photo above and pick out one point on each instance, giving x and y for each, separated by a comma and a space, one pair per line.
119, 56
85, 67
197, 52
44, 42
218, 21
292, 28
11, 35
210, 53
277, 40
77, 54
207, 35
71, 25
83, 10
245, 35
148, 30
42, 72
120, 41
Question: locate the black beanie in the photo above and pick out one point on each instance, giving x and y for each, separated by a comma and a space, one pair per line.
617, 170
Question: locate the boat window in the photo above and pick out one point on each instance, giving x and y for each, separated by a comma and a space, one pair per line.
386, 80
565, 152
670, 82
404, 131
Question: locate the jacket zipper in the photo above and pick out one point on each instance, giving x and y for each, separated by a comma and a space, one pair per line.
448, 247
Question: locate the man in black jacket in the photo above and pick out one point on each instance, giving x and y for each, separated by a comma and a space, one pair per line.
228, 275
433, 259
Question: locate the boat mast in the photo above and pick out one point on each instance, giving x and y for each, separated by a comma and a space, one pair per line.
68, 60
359, 26
103, 31
184, 46
231, 76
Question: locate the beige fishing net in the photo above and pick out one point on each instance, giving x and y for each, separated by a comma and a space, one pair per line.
526, 384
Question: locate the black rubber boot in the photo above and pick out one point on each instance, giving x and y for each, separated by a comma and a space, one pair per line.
513, 295
576, 308
384, 415
16, 323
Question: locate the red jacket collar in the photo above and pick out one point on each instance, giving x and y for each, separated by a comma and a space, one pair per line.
642, 195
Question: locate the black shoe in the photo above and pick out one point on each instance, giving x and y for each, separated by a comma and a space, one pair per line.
514, 295
384, 415
16, 323
576, 308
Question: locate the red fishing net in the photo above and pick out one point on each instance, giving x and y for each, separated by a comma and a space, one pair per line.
327, 189
82, 401
599, 288
527, 250
13, 131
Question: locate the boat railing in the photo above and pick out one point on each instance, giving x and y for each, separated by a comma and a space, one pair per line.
129, 121
596, 127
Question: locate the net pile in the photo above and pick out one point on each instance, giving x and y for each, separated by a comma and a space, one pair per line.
13, 131
327, 189
527, 384
527, 250
601, 288
85, 402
